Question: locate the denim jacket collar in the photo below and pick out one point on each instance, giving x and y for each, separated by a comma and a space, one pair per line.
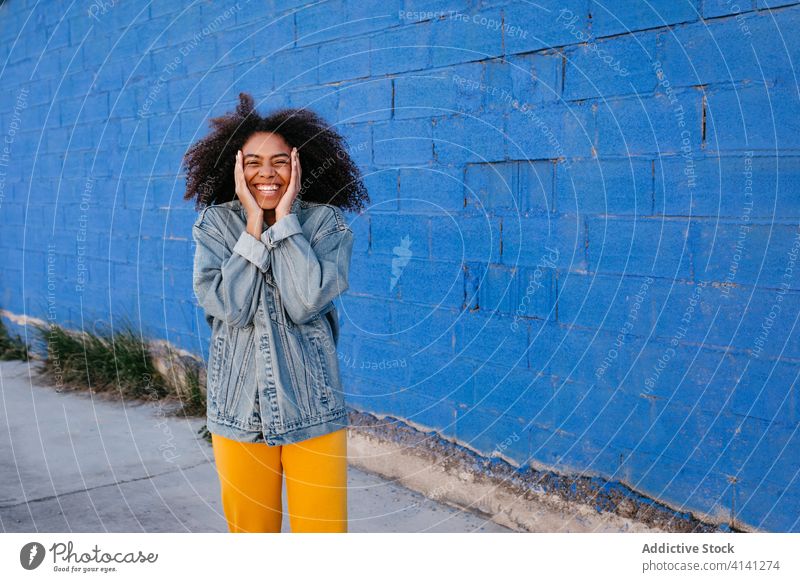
297, 207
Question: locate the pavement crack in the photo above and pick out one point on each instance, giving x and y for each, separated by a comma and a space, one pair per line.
101, 486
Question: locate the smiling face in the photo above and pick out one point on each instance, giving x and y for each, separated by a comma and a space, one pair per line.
267, 167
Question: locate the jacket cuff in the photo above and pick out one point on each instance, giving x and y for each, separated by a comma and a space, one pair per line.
285, 227
253, 250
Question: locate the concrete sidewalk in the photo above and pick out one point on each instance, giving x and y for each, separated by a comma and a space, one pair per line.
76, 462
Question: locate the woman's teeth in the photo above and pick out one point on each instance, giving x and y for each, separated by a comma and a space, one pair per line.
267, 188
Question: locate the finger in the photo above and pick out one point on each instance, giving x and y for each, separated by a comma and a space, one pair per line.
238, 166
293, 177
299, 170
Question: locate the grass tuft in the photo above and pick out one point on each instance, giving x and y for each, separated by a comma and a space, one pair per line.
118, 362
101, 362
12, 347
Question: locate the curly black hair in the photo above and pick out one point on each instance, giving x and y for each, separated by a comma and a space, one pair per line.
209, 163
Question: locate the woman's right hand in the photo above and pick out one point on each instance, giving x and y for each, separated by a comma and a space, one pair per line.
243, 192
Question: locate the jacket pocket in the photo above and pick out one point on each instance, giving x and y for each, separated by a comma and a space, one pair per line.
216, 362
326, 370
241, 362
332, 320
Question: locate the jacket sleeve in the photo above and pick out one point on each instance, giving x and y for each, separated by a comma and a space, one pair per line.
309, 275
227, 282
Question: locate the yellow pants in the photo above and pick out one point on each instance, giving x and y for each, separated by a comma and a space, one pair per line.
250, 477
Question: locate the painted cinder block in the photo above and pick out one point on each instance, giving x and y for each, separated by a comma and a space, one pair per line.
643, 247
537, 131
389, 231
572, 354
446, 182
426, 413
363, 314
627, 16
651, 125
761, 255
536, 183
359, 142
422, 326
730, 51
464, 36
492, 187
715, 8
547, 242
480, 336
492, 434
610, 67
529, 78
521, 293
486, 139
538, 191
514, 392
408, 141
323, 100
318, 24
762, 4
364, 100
439, 91
763, 119
545, 24
605, 186
739, 186
304, 61
344, 59
400, 49
444, 283
683, 487
760, 503
471, 238
625, 305
360, 17
436, 375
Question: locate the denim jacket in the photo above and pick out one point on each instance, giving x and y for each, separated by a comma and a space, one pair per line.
273, 372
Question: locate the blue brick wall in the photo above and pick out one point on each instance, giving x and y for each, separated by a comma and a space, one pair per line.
584, 227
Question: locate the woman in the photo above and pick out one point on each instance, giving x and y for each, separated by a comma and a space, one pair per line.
272, 252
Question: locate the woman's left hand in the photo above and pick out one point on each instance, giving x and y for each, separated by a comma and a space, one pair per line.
284, 206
